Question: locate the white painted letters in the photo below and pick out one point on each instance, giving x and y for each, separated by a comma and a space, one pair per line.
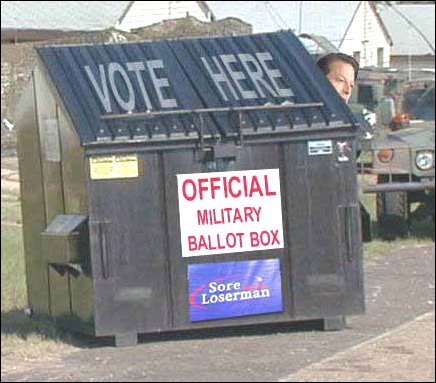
273, 74
257, 75
119, 80
261, 75
219, 77
237, 76
137, 67
103, 94
160, 83
128, 105
242, 76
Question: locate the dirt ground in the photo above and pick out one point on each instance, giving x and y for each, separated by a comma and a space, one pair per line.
393, 341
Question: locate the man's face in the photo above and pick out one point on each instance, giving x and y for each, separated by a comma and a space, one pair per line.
341, 76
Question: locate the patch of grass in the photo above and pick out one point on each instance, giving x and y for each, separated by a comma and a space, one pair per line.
419, 231
11, 209
13, 275
31, 338
24, 338
375, 251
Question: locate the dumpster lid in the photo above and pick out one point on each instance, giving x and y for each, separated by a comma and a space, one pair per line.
188, 88
64, 224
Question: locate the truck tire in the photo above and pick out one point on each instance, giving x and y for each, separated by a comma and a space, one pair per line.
392, 212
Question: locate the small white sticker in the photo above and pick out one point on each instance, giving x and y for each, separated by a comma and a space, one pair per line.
319, 148
344, 151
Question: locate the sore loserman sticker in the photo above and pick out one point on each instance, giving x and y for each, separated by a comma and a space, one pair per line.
230, 212
111, 167
233, 289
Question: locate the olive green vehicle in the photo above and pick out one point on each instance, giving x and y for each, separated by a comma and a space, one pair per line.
402, 156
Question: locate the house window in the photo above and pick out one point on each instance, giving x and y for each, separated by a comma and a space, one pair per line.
356, 55
380, 56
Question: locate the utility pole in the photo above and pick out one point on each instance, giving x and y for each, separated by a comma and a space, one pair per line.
300, 18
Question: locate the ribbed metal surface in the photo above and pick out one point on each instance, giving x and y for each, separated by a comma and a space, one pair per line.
128, 80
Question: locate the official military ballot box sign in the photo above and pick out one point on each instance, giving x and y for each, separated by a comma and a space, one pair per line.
232, 289
230, 212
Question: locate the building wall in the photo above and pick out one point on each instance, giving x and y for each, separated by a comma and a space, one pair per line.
15, 64
413, 62
144, 13
366, 36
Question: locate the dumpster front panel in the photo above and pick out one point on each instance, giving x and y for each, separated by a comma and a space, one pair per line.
144, 283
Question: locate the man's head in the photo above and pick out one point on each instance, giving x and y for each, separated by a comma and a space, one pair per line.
341, 70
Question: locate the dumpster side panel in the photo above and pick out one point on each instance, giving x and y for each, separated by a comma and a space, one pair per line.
73, 168
52, 158
127, 226
75, 193
321, 282
51, 155
32, 201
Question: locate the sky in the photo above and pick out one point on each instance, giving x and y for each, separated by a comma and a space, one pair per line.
265, 16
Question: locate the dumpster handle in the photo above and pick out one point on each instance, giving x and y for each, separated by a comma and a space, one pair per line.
349, 230
251, 108
103, 251
348, 234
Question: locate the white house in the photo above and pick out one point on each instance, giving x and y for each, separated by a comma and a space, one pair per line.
24, 23
352, 27
366, 37
140, 14
44, 20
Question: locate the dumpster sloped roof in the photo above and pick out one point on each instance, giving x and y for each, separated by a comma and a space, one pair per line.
139, 90
61, 15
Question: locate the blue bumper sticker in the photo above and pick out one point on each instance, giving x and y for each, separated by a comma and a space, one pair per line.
233, 289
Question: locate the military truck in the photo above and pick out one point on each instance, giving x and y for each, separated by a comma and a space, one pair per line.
401, 152
372, 86
403, 156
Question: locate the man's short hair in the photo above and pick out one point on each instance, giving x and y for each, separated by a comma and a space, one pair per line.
325, 62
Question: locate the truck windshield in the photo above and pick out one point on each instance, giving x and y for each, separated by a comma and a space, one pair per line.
420, 104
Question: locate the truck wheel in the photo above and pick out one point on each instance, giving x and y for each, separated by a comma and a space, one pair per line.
392, 213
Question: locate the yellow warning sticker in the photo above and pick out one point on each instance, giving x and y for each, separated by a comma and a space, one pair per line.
111, 167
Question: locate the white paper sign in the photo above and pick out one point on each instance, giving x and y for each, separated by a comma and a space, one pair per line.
230, 212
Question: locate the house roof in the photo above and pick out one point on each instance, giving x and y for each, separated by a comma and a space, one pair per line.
406, 40
61, 15
268, 16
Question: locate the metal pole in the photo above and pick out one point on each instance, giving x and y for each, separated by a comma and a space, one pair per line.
398, 187
300, 18
211, 110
